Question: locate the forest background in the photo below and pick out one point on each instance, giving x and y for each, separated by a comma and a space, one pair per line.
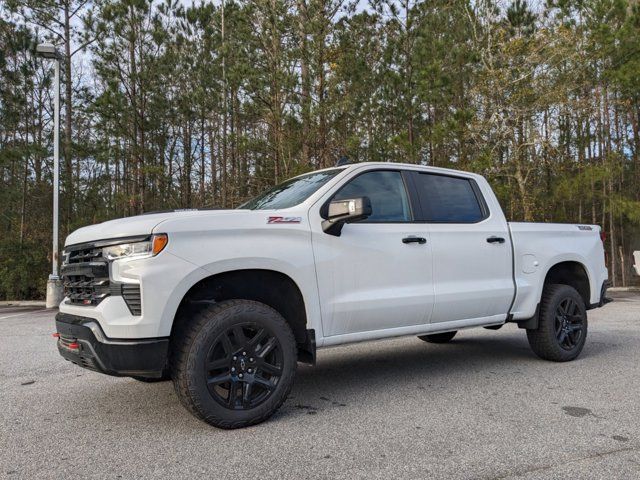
174, 104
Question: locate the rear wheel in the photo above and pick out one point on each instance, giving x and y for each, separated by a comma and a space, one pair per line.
562, 324
234, 363
438, 337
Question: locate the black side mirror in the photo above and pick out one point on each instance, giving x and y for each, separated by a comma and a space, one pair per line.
340, 212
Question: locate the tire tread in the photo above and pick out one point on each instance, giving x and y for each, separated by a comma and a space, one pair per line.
185, 337
540, 339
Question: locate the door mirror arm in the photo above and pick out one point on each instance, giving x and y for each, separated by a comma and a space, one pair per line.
349, 210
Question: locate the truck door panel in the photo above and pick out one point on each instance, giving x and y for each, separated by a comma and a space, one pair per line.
471, 249
371, 277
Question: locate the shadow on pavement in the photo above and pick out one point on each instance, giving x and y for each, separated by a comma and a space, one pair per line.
343, 374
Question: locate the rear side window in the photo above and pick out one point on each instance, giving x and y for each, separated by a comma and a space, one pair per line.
446, 199
385, 189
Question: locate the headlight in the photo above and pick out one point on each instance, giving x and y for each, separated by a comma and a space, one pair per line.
148, 248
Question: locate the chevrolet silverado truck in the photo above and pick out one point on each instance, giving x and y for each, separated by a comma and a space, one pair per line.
226, 302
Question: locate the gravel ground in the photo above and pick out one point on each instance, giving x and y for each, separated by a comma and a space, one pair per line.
480, 407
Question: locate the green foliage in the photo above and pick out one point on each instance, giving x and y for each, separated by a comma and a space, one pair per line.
188, 104
20, 266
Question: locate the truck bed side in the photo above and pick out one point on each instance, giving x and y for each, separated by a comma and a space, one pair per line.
538, 247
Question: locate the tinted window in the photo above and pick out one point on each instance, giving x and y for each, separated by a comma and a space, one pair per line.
447, 199
292, 192
385, 189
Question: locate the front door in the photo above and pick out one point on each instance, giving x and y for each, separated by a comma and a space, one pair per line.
377, 274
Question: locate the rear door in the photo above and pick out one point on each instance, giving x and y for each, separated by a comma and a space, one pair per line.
377, 274
470, 246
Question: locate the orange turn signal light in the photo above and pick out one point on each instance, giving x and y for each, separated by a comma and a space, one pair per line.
158, 242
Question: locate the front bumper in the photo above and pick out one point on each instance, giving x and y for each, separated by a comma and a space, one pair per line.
82, 341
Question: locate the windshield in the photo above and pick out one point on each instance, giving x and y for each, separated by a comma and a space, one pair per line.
292, 192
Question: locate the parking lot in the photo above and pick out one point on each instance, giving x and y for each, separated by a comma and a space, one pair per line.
480, 407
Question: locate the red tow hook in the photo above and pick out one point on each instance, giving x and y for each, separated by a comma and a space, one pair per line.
72, 345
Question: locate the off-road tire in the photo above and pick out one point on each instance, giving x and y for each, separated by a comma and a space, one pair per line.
438, 337
193, 341
545, 341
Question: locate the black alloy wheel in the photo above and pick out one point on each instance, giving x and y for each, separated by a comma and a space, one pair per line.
244, 366
569, 323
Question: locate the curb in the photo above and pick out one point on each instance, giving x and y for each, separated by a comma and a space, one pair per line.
623, 289
22, 303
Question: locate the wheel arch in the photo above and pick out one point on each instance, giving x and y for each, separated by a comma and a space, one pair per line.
572, 273
271, 287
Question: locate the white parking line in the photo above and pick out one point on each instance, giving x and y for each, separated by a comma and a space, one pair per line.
25, 313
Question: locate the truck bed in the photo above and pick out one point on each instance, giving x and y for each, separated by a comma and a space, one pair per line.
538, 246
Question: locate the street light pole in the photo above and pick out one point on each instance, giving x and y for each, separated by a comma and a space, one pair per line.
56, 169
54, 286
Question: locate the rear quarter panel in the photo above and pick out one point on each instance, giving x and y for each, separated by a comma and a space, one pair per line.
540, 246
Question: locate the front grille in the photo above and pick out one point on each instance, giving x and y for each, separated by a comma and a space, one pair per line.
85, 276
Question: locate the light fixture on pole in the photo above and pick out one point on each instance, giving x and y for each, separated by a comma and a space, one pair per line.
54, 286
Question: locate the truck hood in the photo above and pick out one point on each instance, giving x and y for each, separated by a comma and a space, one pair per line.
137, 225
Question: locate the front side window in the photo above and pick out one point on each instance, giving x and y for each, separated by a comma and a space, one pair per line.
292, 192
385, 189
446, 199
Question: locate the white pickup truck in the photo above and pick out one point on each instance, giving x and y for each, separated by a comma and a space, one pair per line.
226, 302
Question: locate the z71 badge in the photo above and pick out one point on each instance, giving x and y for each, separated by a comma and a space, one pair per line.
284, 219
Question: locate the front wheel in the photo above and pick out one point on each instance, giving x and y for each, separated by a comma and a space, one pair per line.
438, 337
234, 363
562, 324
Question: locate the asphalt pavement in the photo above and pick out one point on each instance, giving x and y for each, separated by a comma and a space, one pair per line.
482, 406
